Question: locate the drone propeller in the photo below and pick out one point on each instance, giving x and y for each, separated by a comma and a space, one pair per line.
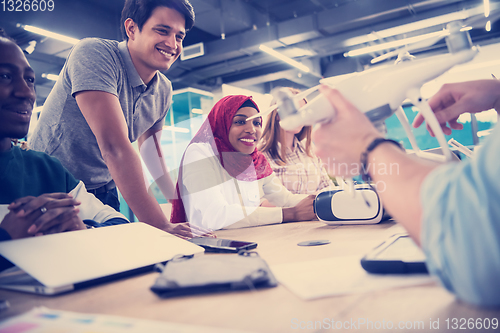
431, 40
473, 22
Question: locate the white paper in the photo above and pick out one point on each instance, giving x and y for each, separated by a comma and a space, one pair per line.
338, 276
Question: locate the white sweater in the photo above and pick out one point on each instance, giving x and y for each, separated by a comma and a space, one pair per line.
213, 199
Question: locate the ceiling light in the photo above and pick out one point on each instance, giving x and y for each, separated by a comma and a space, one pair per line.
47, 33
393, 44
31, 47
289, 61
198, 111
52, 77
486, 8
488, 26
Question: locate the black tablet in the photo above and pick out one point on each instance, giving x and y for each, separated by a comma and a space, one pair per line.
397, 255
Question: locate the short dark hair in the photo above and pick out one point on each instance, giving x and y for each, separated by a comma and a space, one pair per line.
140, 11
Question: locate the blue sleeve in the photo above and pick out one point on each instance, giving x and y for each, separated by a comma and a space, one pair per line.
461, 225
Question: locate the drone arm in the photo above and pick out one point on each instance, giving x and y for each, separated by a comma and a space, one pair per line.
406, 126
414, 95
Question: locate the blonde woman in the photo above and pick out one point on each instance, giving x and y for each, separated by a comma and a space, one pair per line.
291, 156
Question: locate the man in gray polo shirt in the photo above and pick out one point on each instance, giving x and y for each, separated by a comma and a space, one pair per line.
110, 94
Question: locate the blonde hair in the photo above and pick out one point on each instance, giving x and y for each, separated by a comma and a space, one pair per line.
274, 134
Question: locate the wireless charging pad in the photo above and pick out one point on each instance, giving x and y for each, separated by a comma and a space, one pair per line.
314, 243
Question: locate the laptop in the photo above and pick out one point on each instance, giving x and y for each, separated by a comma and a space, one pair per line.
60, 263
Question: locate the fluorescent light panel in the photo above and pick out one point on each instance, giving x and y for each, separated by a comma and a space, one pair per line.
176, 129
393, 44
50, 34
52, 77
281, 57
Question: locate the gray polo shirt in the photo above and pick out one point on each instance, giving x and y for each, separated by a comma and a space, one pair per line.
103, 65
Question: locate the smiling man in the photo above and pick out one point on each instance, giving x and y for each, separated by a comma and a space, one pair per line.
110, 94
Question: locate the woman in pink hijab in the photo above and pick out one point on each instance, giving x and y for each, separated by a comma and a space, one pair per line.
223, 178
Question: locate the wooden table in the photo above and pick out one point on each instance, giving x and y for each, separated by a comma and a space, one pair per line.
275, 309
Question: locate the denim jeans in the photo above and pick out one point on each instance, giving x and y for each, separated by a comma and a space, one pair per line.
110, 198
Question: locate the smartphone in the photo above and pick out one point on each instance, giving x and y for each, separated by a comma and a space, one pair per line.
397, 255
222, 245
